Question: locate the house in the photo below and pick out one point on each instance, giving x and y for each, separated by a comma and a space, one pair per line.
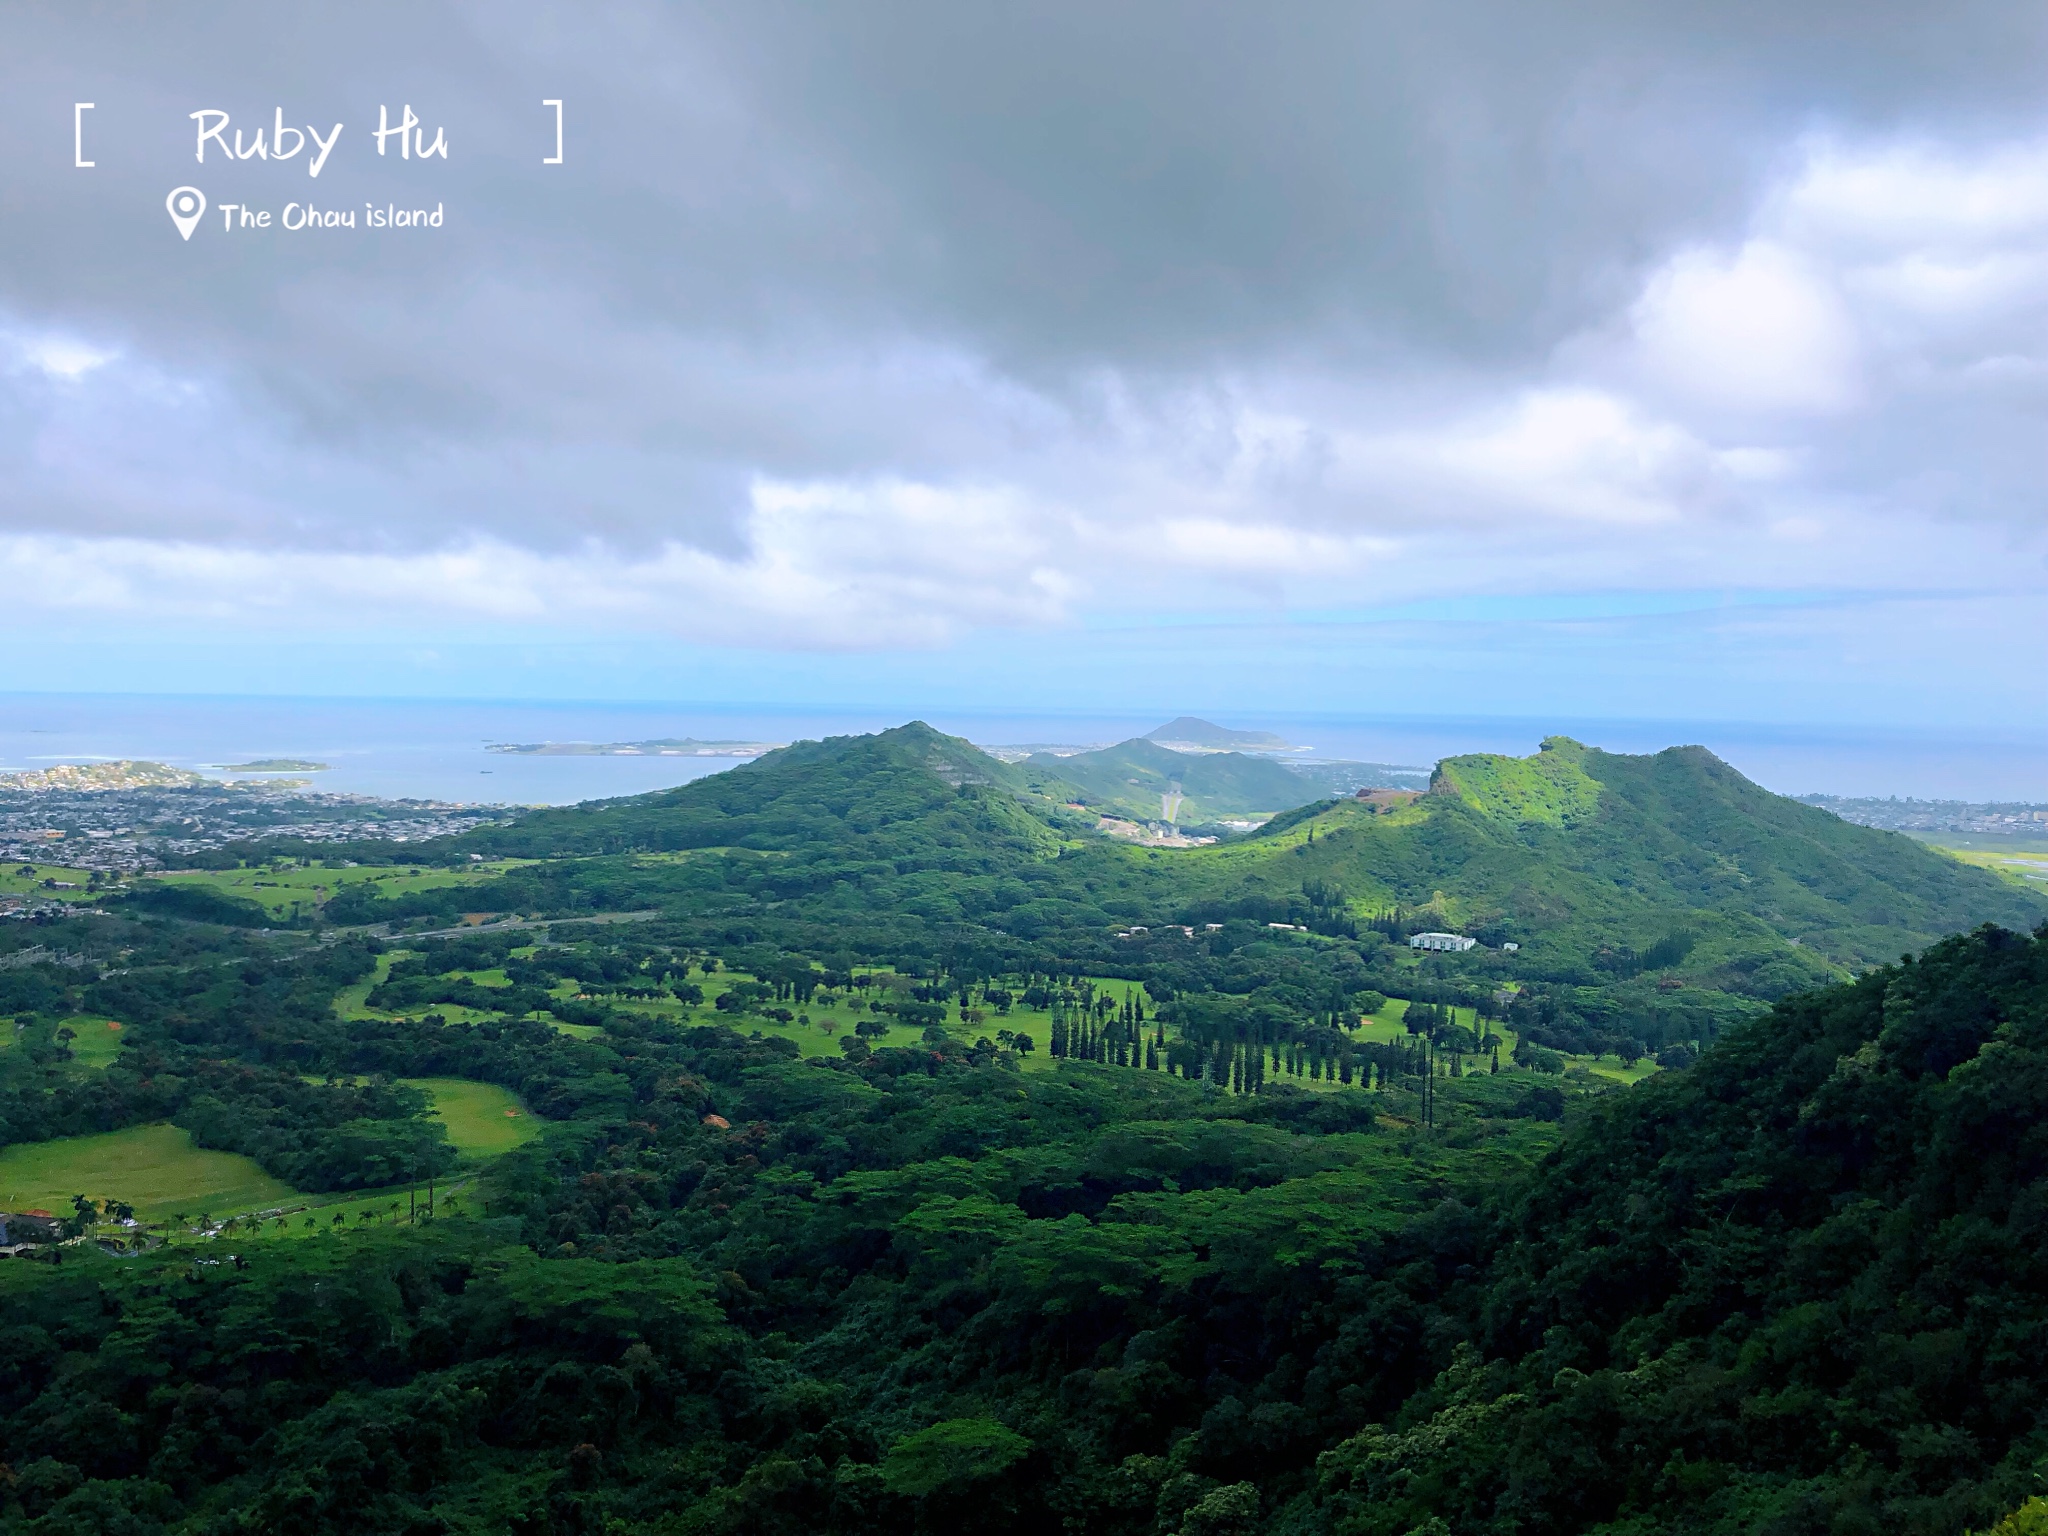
23, 1227
1446, 941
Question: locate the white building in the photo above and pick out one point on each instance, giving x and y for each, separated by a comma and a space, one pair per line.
1450, 941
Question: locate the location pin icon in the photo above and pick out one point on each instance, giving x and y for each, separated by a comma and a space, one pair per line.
186, 205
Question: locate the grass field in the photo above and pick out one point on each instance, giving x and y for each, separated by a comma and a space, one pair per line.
482, 1118
1610, 1067
353, 1002
98, 1040
2026, 866
154, 1168
282, 892
157, 1169
376, 1207
830, 1025
14, 883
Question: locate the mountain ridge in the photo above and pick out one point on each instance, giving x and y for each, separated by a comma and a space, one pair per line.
1645, 891
1188, 730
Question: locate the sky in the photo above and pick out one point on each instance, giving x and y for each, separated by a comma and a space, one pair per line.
1591, 359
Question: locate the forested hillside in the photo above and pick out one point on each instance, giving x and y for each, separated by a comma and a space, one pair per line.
907, 794
1798, 1287
1795, 1287
1141, 778
895, 1155
1568, 853
1653, 899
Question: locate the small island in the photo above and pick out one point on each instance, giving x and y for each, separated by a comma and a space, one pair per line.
276, 765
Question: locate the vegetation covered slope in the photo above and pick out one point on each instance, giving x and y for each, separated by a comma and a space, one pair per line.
1128, 779
1209, 736
1654, 899
909, 792
1575, 850
1798, 1287
1605, 870
1231, 1263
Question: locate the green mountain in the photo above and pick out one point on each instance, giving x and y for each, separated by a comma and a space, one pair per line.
910, 793
1190, 732
1578, 849
1781, 1279
1143, 779
917, 1160
1654, 900
1606, 869
1609, 871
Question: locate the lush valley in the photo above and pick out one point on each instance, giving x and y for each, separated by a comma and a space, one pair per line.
856, 1142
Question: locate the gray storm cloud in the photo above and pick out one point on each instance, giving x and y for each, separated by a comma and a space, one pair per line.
891, 319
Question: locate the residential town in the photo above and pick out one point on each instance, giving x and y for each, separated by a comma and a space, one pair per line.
118, 831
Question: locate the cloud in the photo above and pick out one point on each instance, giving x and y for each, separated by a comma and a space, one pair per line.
57, 357
1757, 330
863, 330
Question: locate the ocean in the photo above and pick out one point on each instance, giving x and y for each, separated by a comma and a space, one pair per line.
428, 749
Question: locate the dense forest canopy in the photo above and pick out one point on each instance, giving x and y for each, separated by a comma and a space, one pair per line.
911, 1158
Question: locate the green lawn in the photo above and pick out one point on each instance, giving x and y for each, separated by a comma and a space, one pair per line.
14, 883
352, 1002
158, 1170
1610, 1067
482, 1118
829, 1025
282, 891
377, 1207
98, 1040
154, 1168
2020, 864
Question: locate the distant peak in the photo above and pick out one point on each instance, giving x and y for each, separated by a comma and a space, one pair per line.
1205, 735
